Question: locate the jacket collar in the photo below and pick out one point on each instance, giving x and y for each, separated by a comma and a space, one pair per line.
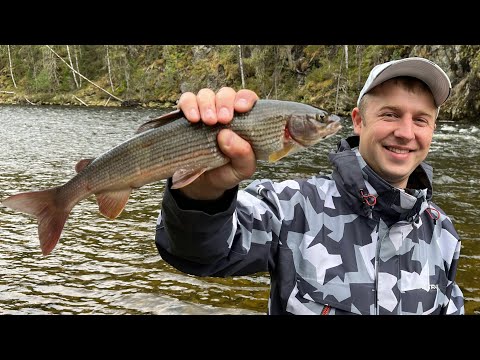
362, 187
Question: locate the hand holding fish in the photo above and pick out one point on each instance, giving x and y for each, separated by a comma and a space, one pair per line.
212, 108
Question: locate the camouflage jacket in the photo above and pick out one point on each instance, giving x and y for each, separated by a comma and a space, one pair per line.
347, 243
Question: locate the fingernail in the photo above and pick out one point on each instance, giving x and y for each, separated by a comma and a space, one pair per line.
194, 113
209, 114
224, 113
242, 102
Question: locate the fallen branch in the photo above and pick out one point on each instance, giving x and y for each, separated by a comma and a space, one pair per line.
31, 103
80, 100
83, 77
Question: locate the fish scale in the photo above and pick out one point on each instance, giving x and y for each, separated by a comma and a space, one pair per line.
171, 146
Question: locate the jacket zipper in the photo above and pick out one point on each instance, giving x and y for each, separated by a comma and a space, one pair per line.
326, 310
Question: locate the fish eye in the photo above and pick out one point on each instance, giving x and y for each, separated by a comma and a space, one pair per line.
320, 116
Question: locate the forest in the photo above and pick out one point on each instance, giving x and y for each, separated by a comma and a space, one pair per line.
328, 76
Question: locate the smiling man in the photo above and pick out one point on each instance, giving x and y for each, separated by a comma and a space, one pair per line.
366, 239
396, 116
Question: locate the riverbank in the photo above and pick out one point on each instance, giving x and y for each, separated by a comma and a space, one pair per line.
76, 99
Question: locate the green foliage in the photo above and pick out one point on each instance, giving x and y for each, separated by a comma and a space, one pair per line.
42, 82
156, 74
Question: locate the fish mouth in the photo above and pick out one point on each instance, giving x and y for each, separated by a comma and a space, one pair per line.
334, 126
334, 118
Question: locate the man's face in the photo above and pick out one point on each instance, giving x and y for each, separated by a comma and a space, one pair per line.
396, 131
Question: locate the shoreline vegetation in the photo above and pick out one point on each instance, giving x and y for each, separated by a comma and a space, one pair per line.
154, 76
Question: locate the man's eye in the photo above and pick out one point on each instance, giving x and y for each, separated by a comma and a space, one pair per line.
422, 121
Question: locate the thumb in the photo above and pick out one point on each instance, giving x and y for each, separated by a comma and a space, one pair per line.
240, 152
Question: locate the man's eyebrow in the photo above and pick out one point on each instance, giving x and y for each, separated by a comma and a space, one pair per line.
389, 107
397, 109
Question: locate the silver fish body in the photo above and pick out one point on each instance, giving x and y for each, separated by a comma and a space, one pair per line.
171, 146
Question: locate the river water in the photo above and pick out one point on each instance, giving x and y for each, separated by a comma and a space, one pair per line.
103, 266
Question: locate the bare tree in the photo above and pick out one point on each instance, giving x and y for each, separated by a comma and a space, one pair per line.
240, 59
359, 66
345, 49
338, 85
109, 69
71, 66
126, 66
76, 61
91, 82
10, 62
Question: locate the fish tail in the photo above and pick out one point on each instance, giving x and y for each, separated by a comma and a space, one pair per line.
51, 216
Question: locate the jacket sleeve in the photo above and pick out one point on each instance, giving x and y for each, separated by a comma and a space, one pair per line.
235, 235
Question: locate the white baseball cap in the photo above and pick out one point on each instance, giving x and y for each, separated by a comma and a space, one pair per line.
417, 67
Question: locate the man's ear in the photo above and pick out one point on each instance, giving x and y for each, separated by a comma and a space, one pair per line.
357, 121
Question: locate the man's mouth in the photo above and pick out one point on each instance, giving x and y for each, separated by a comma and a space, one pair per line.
397, 150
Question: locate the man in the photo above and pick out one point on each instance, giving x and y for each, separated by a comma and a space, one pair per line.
364, 240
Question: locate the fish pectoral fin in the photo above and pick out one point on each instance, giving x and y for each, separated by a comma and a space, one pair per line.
82, 164
160, 121
184, 177
277, 155
112, 203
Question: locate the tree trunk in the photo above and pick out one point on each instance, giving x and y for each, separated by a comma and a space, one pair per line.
338, 85
345, 48
359, 66
76, 63
11, 70
127, 70
109, 69
240, 58
71, 65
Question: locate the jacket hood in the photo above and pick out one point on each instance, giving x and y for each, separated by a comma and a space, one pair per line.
370, 195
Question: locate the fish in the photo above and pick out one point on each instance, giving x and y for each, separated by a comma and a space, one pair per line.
170, 146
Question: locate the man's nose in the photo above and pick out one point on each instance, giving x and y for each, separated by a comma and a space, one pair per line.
405, 128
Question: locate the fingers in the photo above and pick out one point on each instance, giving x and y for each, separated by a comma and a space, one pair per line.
228, 101
225, 104
206, 105
188, 104
244, 100
212, 108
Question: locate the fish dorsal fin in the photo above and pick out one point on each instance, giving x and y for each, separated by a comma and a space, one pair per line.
184, 177
82, 164
160, 121
112, 203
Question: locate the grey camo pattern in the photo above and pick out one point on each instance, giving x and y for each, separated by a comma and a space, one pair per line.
326, 250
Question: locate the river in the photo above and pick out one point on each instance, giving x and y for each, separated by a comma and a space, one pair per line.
106, 266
